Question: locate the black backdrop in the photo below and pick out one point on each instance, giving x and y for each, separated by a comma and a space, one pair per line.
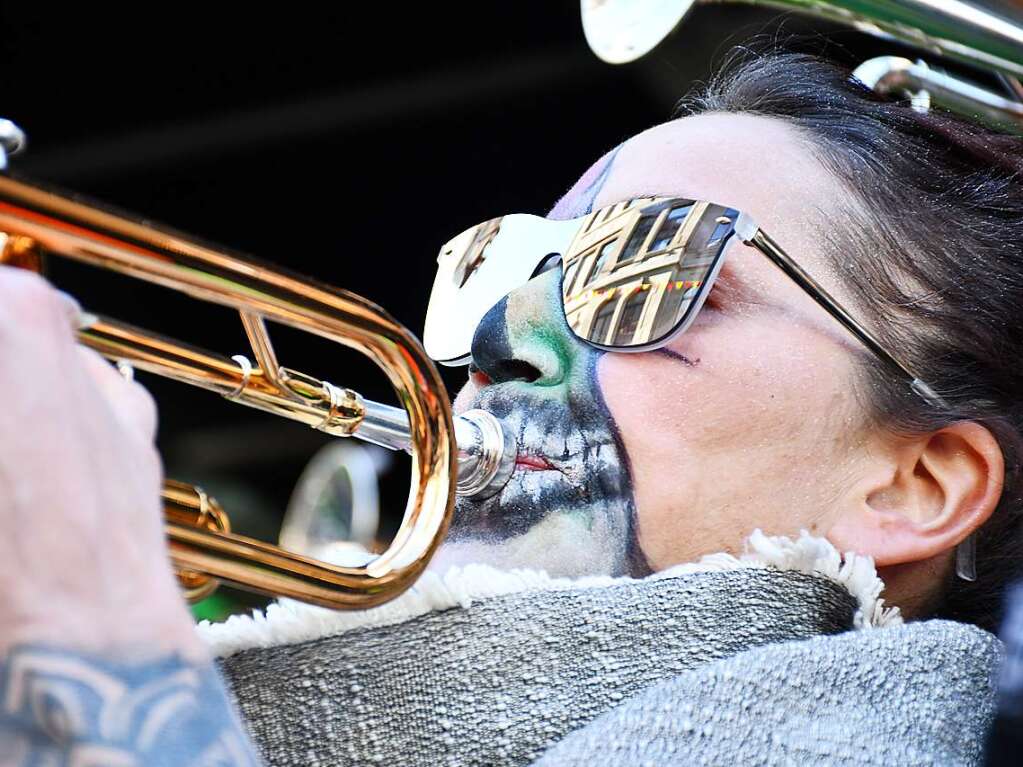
344, 141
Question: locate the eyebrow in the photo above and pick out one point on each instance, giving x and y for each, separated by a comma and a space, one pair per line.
733, 282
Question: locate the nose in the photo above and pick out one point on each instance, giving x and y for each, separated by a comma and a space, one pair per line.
524, 337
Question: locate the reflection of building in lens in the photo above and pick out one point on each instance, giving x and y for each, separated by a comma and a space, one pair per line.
636, 267
475, 249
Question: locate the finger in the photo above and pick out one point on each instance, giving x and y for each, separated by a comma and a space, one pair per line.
32, 308
78, 318
130, 402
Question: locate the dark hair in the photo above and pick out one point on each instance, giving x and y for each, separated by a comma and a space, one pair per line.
933, 250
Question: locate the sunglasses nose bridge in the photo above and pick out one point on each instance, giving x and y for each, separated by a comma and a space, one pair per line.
547, 263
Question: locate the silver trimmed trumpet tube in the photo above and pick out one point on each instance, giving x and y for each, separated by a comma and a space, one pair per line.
486, 450
895, 74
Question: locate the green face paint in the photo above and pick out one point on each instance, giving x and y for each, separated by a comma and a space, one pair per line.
568, 507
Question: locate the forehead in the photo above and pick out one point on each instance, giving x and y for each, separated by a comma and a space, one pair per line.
758, 165
761, 166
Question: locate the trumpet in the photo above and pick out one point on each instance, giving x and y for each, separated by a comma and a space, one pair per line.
470, 454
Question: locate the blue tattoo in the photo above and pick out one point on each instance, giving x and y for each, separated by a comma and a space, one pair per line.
65, 708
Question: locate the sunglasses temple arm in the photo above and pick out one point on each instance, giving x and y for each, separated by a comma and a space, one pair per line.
751, 234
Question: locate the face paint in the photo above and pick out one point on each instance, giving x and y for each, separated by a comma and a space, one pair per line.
568, 507
578, 201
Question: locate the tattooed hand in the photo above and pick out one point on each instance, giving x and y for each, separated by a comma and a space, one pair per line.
99, 662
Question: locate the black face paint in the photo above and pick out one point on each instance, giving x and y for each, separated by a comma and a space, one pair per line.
568, 507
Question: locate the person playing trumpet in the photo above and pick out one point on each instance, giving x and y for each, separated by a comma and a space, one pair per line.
865, 393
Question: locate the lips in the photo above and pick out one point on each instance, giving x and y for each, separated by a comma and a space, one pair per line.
528, 462
567, 464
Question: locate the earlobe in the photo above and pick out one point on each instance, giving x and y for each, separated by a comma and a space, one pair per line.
923, 496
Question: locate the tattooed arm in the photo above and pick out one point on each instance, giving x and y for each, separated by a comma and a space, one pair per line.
66, 707
99, 662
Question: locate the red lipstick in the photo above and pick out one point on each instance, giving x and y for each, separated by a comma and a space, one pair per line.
532, 463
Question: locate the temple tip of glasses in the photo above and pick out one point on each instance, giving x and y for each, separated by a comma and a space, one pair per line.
927, 393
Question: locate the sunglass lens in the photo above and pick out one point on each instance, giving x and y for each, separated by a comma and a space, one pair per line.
636, 270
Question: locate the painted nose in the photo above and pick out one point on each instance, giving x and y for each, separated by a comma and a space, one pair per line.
524, 337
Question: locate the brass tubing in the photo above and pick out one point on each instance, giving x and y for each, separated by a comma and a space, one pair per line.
166, 357
187, 364
486, 453
65, 227
187, 505
269, 569
619, 31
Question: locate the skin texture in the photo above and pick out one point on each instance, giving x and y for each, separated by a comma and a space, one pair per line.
732, 438
103, 518
751, 419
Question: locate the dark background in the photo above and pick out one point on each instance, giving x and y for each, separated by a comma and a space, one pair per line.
344, 142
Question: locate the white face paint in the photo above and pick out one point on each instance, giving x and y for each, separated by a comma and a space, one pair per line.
559, 544
568, 506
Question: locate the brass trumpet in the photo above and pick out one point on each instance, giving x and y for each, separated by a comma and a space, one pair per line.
470, 454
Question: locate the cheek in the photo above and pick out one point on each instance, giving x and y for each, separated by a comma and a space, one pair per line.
731, 443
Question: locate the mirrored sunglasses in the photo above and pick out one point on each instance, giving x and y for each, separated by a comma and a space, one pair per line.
634, 275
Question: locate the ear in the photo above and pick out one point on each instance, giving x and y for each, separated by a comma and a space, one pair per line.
920, 497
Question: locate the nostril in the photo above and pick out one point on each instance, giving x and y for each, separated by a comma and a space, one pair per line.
515, 370
478, 376
497, 358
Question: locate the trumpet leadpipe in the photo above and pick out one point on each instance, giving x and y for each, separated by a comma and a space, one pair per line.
486, 449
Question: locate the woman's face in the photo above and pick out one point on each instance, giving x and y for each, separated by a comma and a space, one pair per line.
748, 419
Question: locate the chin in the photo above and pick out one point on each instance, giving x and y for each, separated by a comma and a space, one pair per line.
562, 544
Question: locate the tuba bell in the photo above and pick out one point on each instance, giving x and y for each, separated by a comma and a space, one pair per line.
623, 31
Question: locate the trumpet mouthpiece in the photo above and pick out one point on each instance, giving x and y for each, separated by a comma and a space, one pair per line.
486, 453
